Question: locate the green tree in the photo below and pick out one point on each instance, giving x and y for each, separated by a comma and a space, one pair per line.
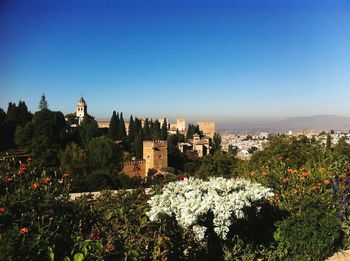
220, 164
74, 160
156, 130
146, 130
139, 145
104, 154
191, 130
216, 143
175, 158
43, 137
6, 135
164, 130
112, 130
43, 103
88, 130
121, 128
329, 142
131, 130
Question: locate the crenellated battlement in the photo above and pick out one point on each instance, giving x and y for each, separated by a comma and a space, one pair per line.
157, 143
133, 162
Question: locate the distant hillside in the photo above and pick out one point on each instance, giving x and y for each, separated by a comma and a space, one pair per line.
318, 123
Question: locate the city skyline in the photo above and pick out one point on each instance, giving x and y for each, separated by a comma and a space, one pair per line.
221, 61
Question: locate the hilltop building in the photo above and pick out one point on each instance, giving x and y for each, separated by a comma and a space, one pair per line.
155, 154
200, 146
81, 110
77, 117
207, 127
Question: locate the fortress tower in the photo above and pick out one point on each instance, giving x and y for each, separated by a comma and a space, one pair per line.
155, 154
81, 110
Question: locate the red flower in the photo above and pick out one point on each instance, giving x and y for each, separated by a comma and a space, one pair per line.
24, 230
94, 234
10, 180
35, 185
50, 218
47, 180
182, 177
65, 175
2, 210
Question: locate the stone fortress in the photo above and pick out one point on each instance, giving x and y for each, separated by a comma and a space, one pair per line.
155, 154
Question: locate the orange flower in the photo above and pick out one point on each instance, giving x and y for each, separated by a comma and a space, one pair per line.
314, 187
65, 175
35, 185
2, 210
24, 230
285, 180
326, 181
292, 171
302, 178
319, 184
321, 169
264, 173
305, 174
47, 180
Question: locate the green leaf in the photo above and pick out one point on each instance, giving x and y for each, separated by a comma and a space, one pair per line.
66, 259
78, 257
51, 254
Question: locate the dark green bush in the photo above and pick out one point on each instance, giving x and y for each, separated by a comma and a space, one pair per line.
310, 235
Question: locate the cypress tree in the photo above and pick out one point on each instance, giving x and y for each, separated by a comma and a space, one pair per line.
156, 130
139, 145
151, 126
164, 130
117, 126
329, 142
137, 127
146, 130
190, 131
121, 128
131, 130
112, 130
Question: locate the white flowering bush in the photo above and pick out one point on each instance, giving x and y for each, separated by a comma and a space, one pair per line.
191, 199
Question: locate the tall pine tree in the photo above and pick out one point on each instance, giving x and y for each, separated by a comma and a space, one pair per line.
121, 128
146, 130
139, 145
112, 130
164, 130
131, 130
156, 130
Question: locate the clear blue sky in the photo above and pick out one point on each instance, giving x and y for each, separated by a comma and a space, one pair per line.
215, 60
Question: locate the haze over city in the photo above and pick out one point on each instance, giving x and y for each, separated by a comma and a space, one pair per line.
233, 61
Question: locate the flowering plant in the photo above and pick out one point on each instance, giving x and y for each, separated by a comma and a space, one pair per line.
192, 199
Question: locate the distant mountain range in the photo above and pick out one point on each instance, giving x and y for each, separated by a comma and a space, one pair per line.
317, 123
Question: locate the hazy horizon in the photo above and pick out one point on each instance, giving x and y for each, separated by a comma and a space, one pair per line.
220, 61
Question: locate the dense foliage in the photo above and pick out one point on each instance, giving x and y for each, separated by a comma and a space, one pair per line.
196, 212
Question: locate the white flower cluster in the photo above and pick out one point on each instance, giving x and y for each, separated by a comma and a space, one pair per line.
192, 198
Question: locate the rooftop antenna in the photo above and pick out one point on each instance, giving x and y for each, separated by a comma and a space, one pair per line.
81, 94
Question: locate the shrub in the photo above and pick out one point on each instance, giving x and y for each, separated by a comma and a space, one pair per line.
310, 235
36, 215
